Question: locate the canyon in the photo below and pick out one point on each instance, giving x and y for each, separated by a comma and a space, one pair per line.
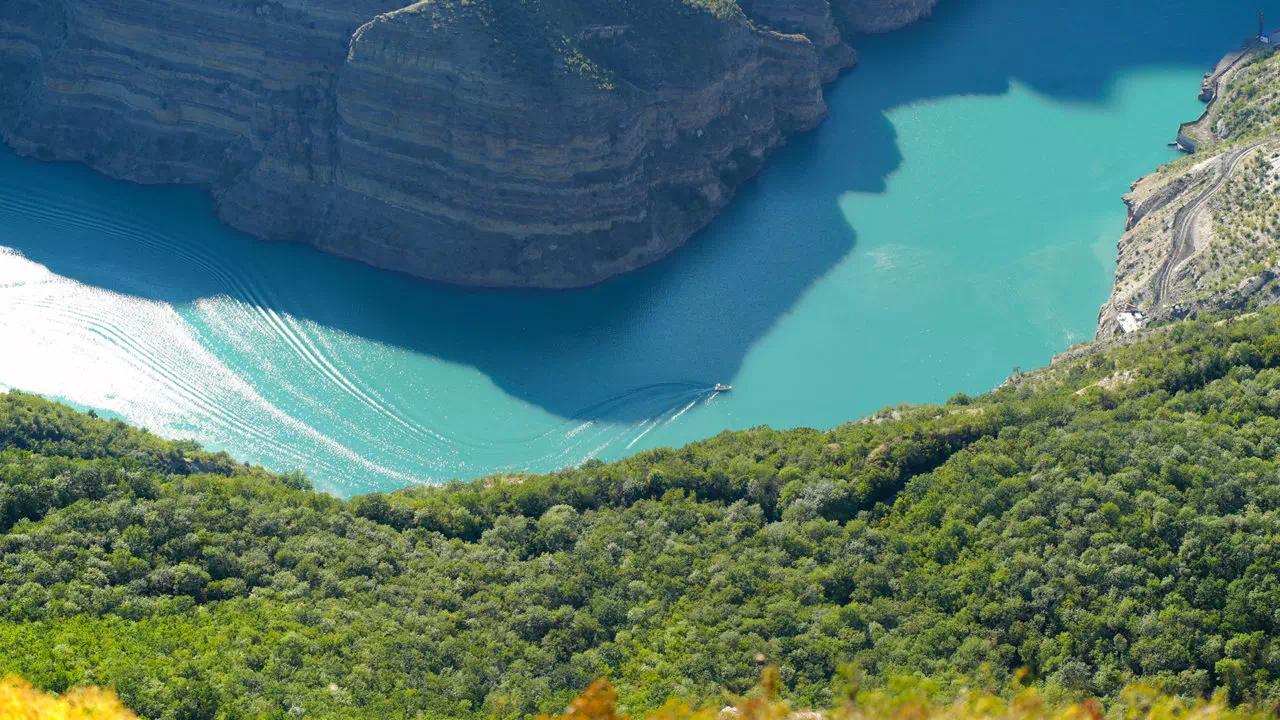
493, 143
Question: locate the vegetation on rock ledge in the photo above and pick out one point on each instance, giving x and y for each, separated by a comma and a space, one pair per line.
638, 43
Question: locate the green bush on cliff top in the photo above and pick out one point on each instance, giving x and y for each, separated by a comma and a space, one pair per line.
637, 43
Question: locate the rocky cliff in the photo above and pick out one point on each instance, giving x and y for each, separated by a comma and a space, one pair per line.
878, 16
492, 142
1202, 234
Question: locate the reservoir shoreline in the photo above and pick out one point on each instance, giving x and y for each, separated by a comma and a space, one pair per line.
1168, 218
954, 216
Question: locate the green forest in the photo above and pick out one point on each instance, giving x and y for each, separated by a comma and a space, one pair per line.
1110, 519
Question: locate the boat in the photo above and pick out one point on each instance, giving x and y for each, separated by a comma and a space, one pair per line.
723, 388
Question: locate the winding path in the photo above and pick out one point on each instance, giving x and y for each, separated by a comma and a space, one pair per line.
1184, 222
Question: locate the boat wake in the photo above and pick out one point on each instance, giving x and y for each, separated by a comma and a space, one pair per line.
589, 434
196, 340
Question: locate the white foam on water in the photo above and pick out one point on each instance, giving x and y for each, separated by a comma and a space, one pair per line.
234, 370
685, 410
647, 430
141, 360
574, 432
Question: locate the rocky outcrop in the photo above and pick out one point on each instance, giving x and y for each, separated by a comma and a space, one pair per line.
878, 16
1200, 236
205, 92
480, 142
814, 20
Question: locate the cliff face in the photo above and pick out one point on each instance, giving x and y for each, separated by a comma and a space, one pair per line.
878, 16
479, 142
190, 91
1202, 235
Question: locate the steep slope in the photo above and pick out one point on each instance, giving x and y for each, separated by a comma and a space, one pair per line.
1111, 519
878, 16
492, 142
1202, 234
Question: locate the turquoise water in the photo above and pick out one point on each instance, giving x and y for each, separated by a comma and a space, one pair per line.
956, 216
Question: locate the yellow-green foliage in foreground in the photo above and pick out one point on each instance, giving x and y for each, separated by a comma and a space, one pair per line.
904, 700
910, 699
20, 701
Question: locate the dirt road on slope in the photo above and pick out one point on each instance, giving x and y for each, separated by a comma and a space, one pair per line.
1184, 222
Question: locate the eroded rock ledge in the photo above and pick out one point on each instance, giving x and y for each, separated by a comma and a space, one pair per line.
485, 142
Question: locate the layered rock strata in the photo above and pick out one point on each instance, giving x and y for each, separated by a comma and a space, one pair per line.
485, 142
880, 16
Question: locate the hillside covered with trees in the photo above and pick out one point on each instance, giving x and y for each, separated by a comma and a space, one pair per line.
1110, 519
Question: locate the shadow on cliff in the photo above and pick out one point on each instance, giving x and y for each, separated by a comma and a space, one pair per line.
692, 318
